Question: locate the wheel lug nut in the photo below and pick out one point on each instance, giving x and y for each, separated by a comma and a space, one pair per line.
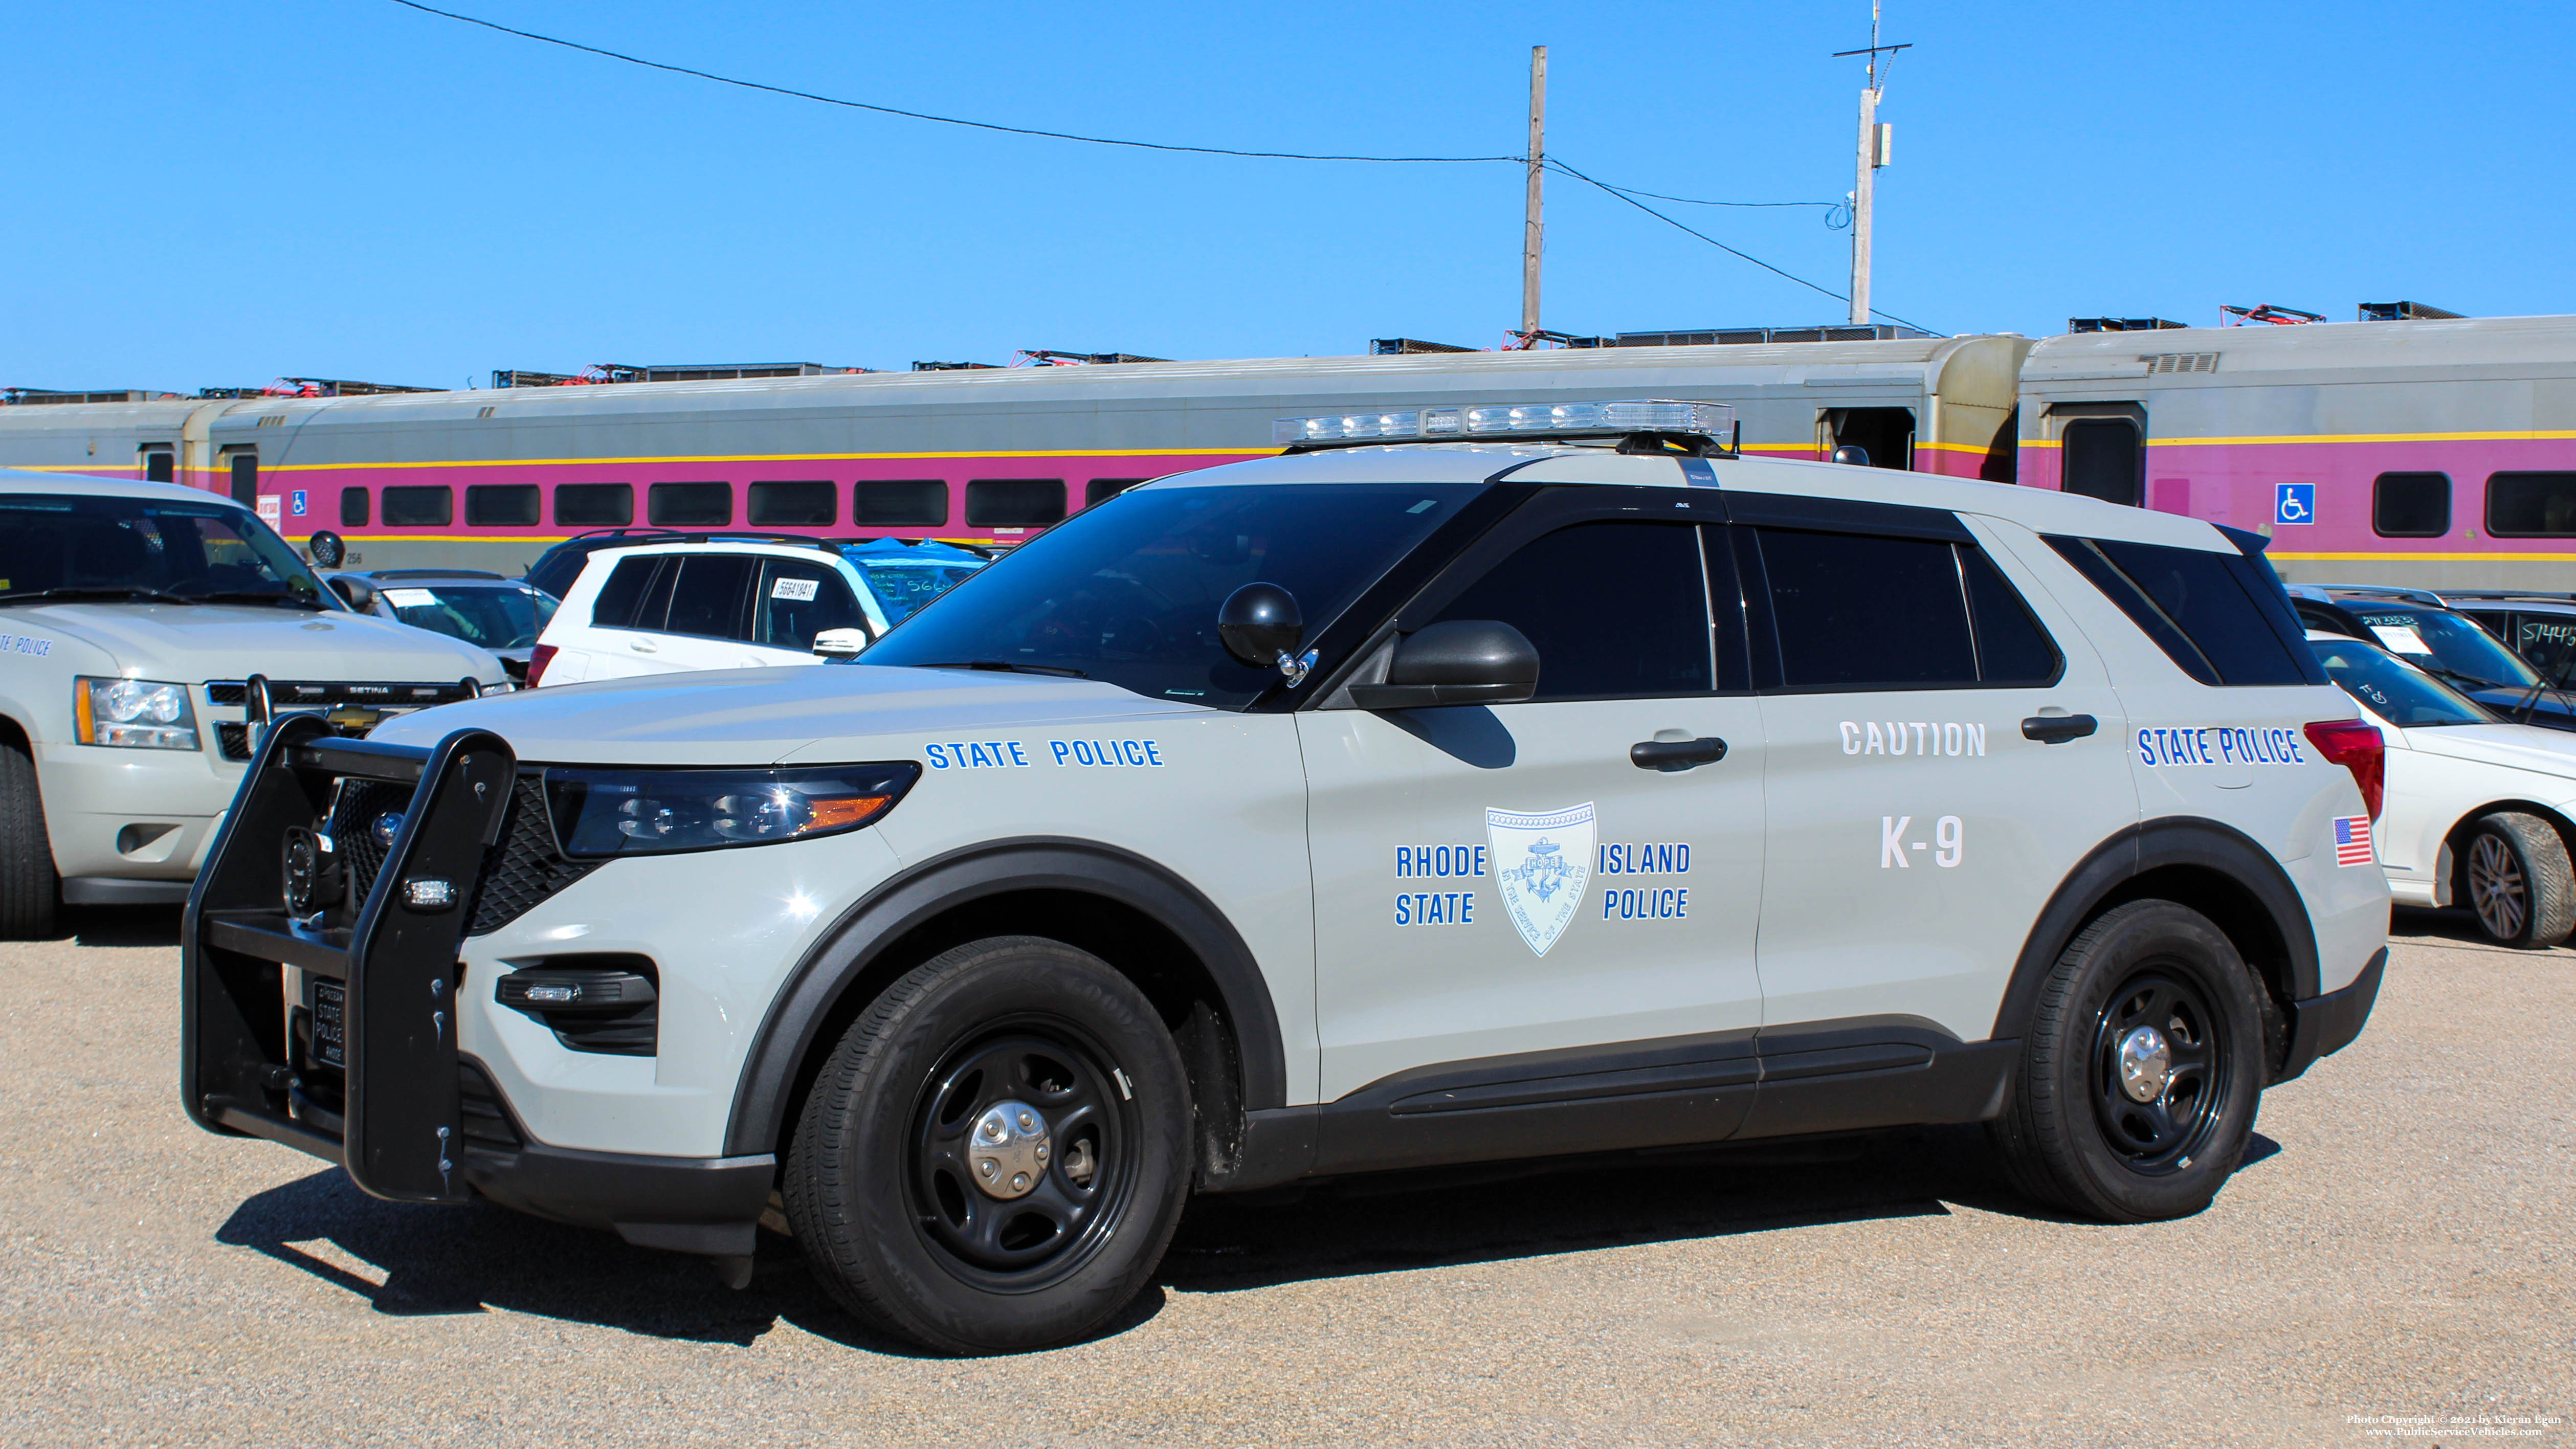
1019, 1182
1028, 1122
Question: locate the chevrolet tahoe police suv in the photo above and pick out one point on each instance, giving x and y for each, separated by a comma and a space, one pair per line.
1464, 785
147, 632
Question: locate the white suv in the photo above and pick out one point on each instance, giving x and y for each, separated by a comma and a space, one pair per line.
737, 604
1368, 807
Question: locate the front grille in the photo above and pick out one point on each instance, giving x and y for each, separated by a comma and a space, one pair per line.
487, 1121
526, 868
233, 741
311, 693
353, 835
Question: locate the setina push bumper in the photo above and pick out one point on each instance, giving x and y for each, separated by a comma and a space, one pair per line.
321, 981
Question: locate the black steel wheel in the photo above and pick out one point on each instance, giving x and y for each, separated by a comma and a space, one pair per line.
995, 1155
2518, 881
2141, 1068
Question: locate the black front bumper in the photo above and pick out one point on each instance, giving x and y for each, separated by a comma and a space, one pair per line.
2323, 1025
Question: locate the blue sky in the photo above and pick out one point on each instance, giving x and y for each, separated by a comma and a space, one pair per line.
206, 194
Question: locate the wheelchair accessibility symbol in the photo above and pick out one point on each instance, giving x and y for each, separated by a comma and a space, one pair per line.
2295, 503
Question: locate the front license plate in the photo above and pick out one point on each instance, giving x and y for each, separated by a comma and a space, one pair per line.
330, 1024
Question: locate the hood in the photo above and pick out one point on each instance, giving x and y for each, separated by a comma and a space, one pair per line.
762, 716
191, 642
2518, 747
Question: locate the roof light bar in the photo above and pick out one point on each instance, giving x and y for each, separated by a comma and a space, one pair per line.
1505, 420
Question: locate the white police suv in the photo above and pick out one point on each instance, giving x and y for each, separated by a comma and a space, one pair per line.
1464, 785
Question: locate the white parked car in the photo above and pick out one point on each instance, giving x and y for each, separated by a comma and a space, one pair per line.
1556, 782
147, 633
737, 604
2478, 811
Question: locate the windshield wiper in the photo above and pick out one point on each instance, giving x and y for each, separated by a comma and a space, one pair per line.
102, 591
1005, 666
257, 596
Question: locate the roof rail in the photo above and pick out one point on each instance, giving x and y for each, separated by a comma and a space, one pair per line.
2389, 591
2504, 594
433, 574
700, 535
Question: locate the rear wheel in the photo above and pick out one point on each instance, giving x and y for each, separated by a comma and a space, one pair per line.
28, 889
2141, 1070
2518, 881
995, 1156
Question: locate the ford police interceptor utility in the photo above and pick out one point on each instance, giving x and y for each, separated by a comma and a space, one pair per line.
1466, 784
145, 630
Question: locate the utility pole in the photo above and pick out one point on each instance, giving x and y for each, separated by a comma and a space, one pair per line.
1874, 140
1530, 229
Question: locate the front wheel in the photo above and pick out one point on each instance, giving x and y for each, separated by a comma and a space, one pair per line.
2518, 879
28, 889
995, 1156
2141, 1069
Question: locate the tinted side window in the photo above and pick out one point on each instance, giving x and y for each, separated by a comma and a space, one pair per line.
707, 600
2531, 505
595, 505
419, 507
1101, 490
900, 503
1859, 612
615, 606
2410, 505
2547, 640
2196, 605
805, 505
691, 505
1614, 608
501, 504
353, 508
799, 600
1015, 502
2012, 647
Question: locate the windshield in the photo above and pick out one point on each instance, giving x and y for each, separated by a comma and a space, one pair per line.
2447, 644
1129, 594
54, 545
902, 586
493, 616
2394, 691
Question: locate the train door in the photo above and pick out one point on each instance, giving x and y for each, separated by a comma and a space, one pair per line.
2102, 450
1885, 434
241, 467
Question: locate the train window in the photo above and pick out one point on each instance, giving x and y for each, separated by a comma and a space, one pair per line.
2531, 505
594, 505
244, 466
353, 508
691, 505
433, 506
2102, 459
1014, 502
811, 505
1101, 490
501, 505
907, 503
2411, 505
160, 465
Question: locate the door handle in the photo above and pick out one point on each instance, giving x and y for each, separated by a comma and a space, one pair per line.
2058, 729
1672, 755
643, 646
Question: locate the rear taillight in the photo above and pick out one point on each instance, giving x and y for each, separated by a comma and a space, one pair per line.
2355, 745
544, 654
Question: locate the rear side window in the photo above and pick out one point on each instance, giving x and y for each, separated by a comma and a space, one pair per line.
616, 605
900, 503
1856, 611
691, 505
799, 600
1616, 609
432, 507
594, 505
505, 505
2531, 505
707, 599
1015, 502
795, 505
2218, 616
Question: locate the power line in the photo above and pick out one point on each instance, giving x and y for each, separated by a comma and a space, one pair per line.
1721, 246
750, 85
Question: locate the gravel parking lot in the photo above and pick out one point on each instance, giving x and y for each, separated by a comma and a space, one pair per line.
2402, 1247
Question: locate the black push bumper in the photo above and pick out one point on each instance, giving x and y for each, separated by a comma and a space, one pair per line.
359, 1065
2324, 1025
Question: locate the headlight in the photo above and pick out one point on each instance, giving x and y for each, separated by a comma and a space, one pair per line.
135, 713
639, 812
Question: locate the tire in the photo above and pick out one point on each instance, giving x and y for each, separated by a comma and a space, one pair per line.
2515, 879
28, 888
2076, 1132
1079, 1198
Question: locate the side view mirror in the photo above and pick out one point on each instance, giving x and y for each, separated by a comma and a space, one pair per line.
1462, 661
354, 593
1853, 455
840, 643
1260, 625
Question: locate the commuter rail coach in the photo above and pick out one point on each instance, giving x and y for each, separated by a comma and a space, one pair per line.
491, 478
2434, 453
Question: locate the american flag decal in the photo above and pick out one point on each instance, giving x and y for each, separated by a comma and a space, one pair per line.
2352, 840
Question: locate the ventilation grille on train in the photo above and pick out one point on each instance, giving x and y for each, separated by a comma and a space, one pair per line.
2183, 362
